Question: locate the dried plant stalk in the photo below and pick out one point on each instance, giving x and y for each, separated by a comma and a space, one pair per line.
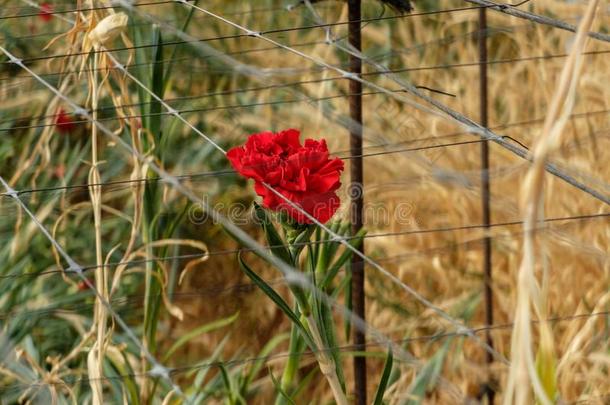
523, 372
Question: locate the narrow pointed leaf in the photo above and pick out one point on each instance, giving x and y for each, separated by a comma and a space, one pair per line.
274, 239
277, 299
385, 377
208, 327
428, 375
345, 256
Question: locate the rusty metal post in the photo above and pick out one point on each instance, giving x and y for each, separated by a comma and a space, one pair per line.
357, 198
485, 197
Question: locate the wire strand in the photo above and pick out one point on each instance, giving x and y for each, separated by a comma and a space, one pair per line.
462, 332
488, 32
538, 19
251, 287
311, 243
385, 145
193, 110
76, 10
247, 35
284, 355
302, 82
292, 274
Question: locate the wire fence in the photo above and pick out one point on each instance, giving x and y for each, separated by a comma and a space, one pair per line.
177, 181
225, 252
276, 356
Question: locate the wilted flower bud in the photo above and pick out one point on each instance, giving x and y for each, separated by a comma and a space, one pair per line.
108, 29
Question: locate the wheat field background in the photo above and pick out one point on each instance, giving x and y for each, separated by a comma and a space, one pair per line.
47, 317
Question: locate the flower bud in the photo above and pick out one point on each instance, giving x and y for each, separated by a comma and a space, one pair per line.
108, 29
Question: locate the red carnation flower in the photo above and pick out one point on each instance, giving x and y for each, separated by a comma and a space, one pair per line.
46, 11
63, 122
305, 174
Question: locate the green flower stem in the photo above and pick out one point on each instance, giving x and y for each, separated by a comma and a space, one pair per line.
292, 365
326, 363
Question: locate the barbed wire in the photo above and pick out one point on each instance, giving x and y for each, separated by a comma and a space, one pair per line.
441, 109
78, 10
247, 35
206, 109
538, 19
385, 145
312, 243
443, 41
308, 353
293, 275
297, 83
462, 332
251, 287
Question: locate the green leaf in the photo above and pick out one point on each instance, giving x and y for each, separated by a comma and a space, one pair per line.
305, 382
184, 28
345, 256
274, 239
428, 375
331, 341
208, 327
315, 248
200, 371
324, 320
262, 358
279, 251
127, 381
341, 230
279, 389
277, 299
143, 74
157, 86
385, 377
234, 395
300, 243
323, 257
291, 367
346, 286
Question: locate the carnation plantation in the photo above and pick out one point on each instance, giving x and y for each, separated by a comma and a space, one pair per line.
304, 202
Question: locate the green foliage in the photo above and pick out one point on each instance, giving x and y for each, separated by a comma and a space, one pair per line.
312, 318
385, 379
428, 376
209, 327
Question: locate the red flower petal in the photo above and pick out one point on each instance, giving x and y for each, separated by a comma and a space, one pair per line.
46, 11
303, 174
64, 123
